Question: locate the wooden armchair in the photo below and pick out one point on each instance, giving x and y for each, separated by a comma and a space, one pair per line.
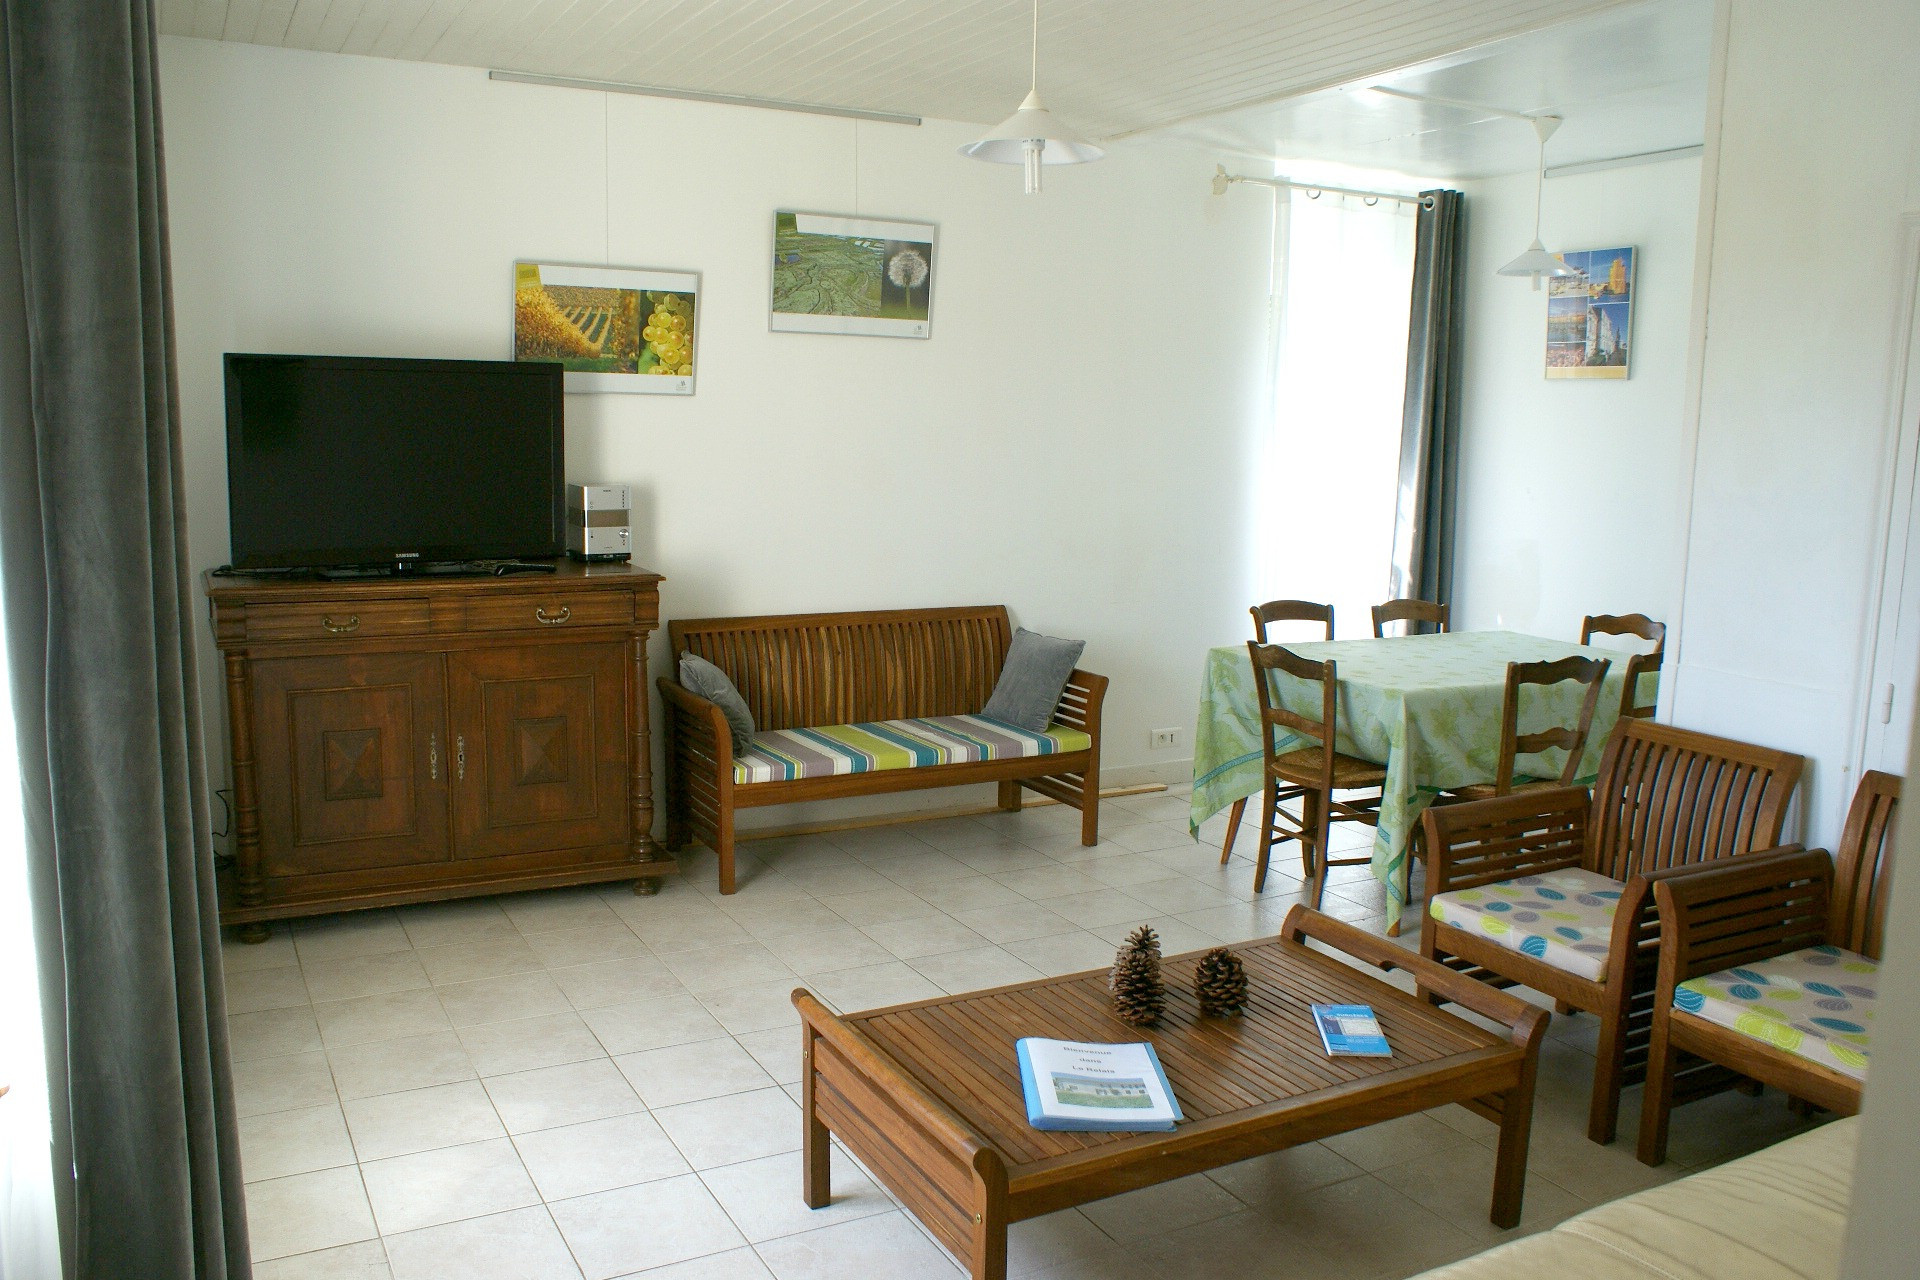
1554, 888
1411, 612
1638, 664
1769, 970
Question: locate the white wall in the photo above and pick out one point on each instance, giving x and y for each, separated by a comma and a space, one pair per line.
1816, 156
1572, 493
1068, 442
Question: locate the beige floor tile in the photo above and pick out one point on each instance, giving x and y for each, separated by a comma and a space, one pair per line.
393, 1066
1015, 922
580, 1159
1120, 870
1175, 934
573, 1093
972, 893
950, 834
551, 909
475, 961
382, 1017
777, 1051
445, 924
1044, 883
617, 1233
1102, 907
1458, 1185
1178, 895
974, 970
1163, 1208
1063, 953
691, 1072
509, 999
1395, 1141
282, 1143
399, 1124
519, 1245
835, 946
366, 1260
883, 1245
1251, 1244
741, 1126
445, 1185
1145, 837
348, 935
255, 990
282, 1084
911, 939
734, 1264
245, 957
872, 986
717, 968
763, 1196
364, 976
830, 880
686, 929
879, 906
760, 1006
1054, 1240
1373, 1229
922, 869
782, 918
272, 1033
652, 1024
592, 986
307, 1211
591, 944
1006, 857
1283, 1175
502, 1048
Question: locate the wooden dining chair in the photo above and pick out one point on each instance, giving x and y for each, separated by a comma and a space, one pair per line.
1310, 774
1411, 612
1571, 738
1630, 624
1265, 615
1769, 971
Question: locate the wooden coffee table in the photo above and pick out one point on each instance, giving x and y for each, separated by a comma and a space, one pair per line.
928, 1095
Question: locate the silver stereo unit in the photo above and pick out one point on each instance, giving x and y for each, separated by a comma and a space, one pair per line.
597, 522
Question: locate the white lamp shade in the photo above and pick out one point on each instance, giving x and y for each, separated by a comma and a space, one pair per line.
1032, 123
1537, 262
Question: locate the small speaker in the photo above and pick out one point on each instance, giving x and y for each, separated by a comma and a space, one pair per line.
598, 523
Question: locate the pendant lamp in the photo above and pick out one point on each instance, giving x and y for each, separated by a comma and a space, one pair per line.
1031, 136
1536, 262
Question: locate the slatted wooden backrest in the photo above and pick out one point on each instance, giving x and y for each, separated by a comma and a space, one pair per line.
1411, 612
1268, 658
803, 669
1571, 738
1863, 875
1667, 797
1265, 615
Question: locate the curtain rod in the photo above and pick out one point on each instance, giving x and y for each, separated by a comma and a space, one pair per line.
1222, 180
689, 95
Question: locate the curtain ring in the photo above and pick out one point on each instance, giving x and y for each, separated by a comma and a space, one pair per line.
1371, 201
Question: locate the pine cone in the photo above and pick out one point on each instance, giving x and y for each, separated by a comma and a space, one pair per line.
1138, 993
1220, 983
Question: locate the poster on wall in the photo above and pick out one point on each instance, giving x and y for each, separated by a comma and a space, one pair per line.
852, 275
1590, 316
614, 328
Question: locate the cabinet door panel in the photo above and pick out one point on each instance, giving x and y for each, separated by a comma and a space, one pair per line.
347, 752
544, 736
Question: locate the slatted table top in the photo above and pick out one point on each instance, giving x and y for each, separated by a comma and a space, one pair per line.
1223, 1070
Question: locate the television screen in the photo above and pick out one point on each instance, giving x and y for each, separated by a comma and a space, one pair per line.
336, 461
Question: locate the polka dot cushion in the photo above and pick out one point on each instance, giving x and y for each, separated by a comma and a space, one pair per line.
1563, 918
1816, 1003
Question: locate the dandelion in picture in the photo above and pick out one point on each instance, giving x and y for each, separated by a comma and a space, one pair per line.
907, 270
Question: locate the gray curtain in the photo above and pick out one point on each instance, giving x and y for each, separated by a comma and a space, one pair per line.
1430, 427
98, 630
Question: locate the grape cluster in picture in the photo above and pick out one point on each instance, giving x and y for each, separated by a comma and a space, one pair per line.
668, 335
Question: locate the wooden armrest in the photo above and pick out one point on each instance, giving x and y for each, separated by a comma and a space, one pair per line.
1080, 701
700, 720
1734, 911
1482, 842
1524, 1022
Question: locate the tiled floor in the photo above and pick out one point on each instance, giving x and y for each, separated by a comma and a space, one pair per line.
586, 1084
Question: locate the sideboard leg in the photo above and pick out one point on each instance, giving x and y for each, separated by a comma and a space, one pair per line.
255, 933
647, 886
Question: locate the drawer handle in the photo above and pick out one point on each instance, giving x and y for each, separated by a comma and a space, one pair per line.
433, 757
540, 615
460, 757
341, 628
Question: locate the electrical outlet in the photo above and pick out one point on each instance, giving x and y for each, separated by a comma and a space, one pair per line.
1165, 739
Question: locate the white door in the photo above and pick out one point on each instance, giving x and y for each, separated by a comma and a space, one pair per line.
1896, 649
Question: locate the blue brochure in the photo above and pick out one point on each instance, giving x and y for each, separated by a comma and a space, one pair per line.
1350, 1030
1097, 1088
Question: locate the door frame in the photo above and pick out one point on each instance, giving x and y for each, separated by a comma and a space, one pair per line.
1897, 512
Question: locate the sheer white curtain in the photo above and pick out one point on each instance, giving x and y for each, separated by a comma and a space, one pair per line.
1340, 358
29, 1231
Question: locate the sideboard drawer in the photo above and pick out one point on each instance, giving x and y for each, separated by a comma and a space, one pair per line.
338, 619
550, 612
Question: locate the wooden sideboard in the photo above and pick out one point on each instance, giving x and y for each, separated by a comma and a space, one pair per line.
407, 739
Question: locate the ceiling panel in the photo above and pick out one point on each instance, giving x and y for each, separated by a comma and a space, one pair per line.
1110, 67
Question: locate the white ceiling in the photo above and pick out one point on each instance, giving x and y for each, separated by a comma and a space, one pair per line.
1110, 67
1626, 81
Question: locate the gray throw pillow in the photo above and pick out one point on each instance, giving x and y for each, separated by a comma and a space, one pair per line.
1032, 680
698, 676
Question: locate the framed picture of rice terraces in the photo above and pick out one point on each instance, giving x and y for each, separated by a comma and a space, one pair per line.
852, 275
614, 328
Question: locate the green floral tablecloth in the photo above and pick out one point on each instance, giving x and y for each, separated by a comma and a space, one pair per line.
1428, 706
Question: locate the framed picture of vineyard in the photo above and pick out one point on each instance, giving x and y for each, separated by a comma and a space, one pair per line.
852, 275
614, 328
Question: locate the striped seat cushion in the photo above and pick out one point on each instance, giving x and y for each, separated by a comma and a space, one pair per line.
780, 755
1816, 1003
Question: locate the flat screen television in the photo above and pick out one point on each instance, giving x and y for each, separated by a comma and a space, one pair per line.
401, 465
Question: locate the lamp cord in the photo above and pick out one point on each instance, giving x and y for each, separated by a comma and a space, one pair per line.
1034, 85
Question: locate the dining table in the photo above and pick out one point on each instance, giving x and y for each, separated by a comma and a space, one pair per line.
1426, 707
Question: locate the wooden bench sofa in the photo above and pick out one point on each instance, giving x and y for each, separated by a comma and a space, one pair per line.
812, 671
